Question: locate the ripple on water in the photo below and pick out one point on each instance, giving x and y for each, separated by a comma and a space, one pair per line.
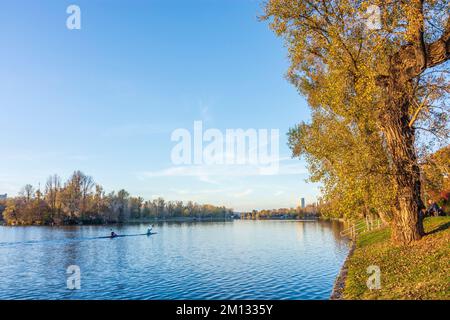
236, 260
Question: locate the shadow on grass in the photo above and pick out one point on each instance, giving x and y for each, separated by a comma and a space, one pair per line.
442, 227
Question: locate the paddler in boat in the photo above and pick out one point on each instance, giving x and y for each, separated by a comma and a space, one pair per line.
149, 230
113, 234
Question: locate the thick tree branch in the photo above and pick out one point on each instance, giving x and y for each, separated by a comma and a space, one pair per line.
439, 51
414, 58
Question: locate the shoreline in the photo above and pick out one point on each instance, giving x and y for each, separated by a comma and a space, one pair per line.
157, 220
339, 283
131, 221
178, 219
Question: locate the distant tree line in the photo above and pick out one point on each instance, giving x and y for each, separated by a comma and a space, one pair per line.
282, 213
81, 201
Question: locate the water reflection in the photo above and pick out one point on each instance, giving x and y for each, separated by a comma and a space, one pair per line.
197, 260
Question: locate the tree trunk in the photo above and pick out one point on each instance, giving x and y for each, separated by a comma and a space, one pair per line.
385, 217
409, 62
407, 224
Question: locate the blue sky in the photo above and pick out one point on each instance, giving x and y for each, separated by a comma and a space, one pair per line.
105, 99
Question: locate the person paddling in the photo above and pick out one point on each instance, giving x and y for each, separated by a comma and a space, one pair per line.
113, 234
149, 230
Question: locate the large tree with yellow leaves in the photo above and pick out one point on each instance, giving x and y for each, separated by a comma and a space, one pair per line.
389, 78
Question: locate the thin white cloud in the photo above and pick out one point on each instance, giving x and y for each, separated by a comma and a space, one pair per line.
243, 193
227, 192
200, 191
207, 179
204, 172
279, 193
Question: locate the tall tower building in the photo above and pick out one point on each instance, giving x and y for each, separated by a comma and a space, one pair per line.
303, 203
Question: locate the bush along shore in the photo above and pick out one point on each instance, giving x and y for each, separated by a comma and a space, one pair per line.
419, 270
80, 200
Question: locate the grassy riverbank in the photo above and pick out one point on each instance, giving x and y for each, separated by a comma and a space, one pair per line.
417, 271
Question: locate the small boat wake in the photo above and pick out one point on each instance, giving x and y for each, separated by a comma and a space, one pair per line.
55, 241
126, 235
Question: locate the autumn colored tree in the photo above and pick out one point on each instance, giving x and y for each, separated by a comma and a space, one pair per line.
52, 195
436, 175
393, 73
27, 192
351, 165
80, 200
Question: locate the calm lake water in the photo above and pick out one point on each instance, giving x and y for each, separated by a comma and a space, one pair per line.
204, 260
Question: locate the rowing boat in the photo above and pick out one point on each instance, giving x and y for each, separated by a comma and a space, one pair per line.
127, 235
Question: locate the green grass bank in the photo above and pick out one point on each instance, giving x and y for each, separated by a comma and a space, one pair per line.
417, 271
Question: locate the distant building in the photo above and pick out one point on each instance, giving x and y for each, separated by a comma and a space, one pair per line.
303, 205
3, 196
